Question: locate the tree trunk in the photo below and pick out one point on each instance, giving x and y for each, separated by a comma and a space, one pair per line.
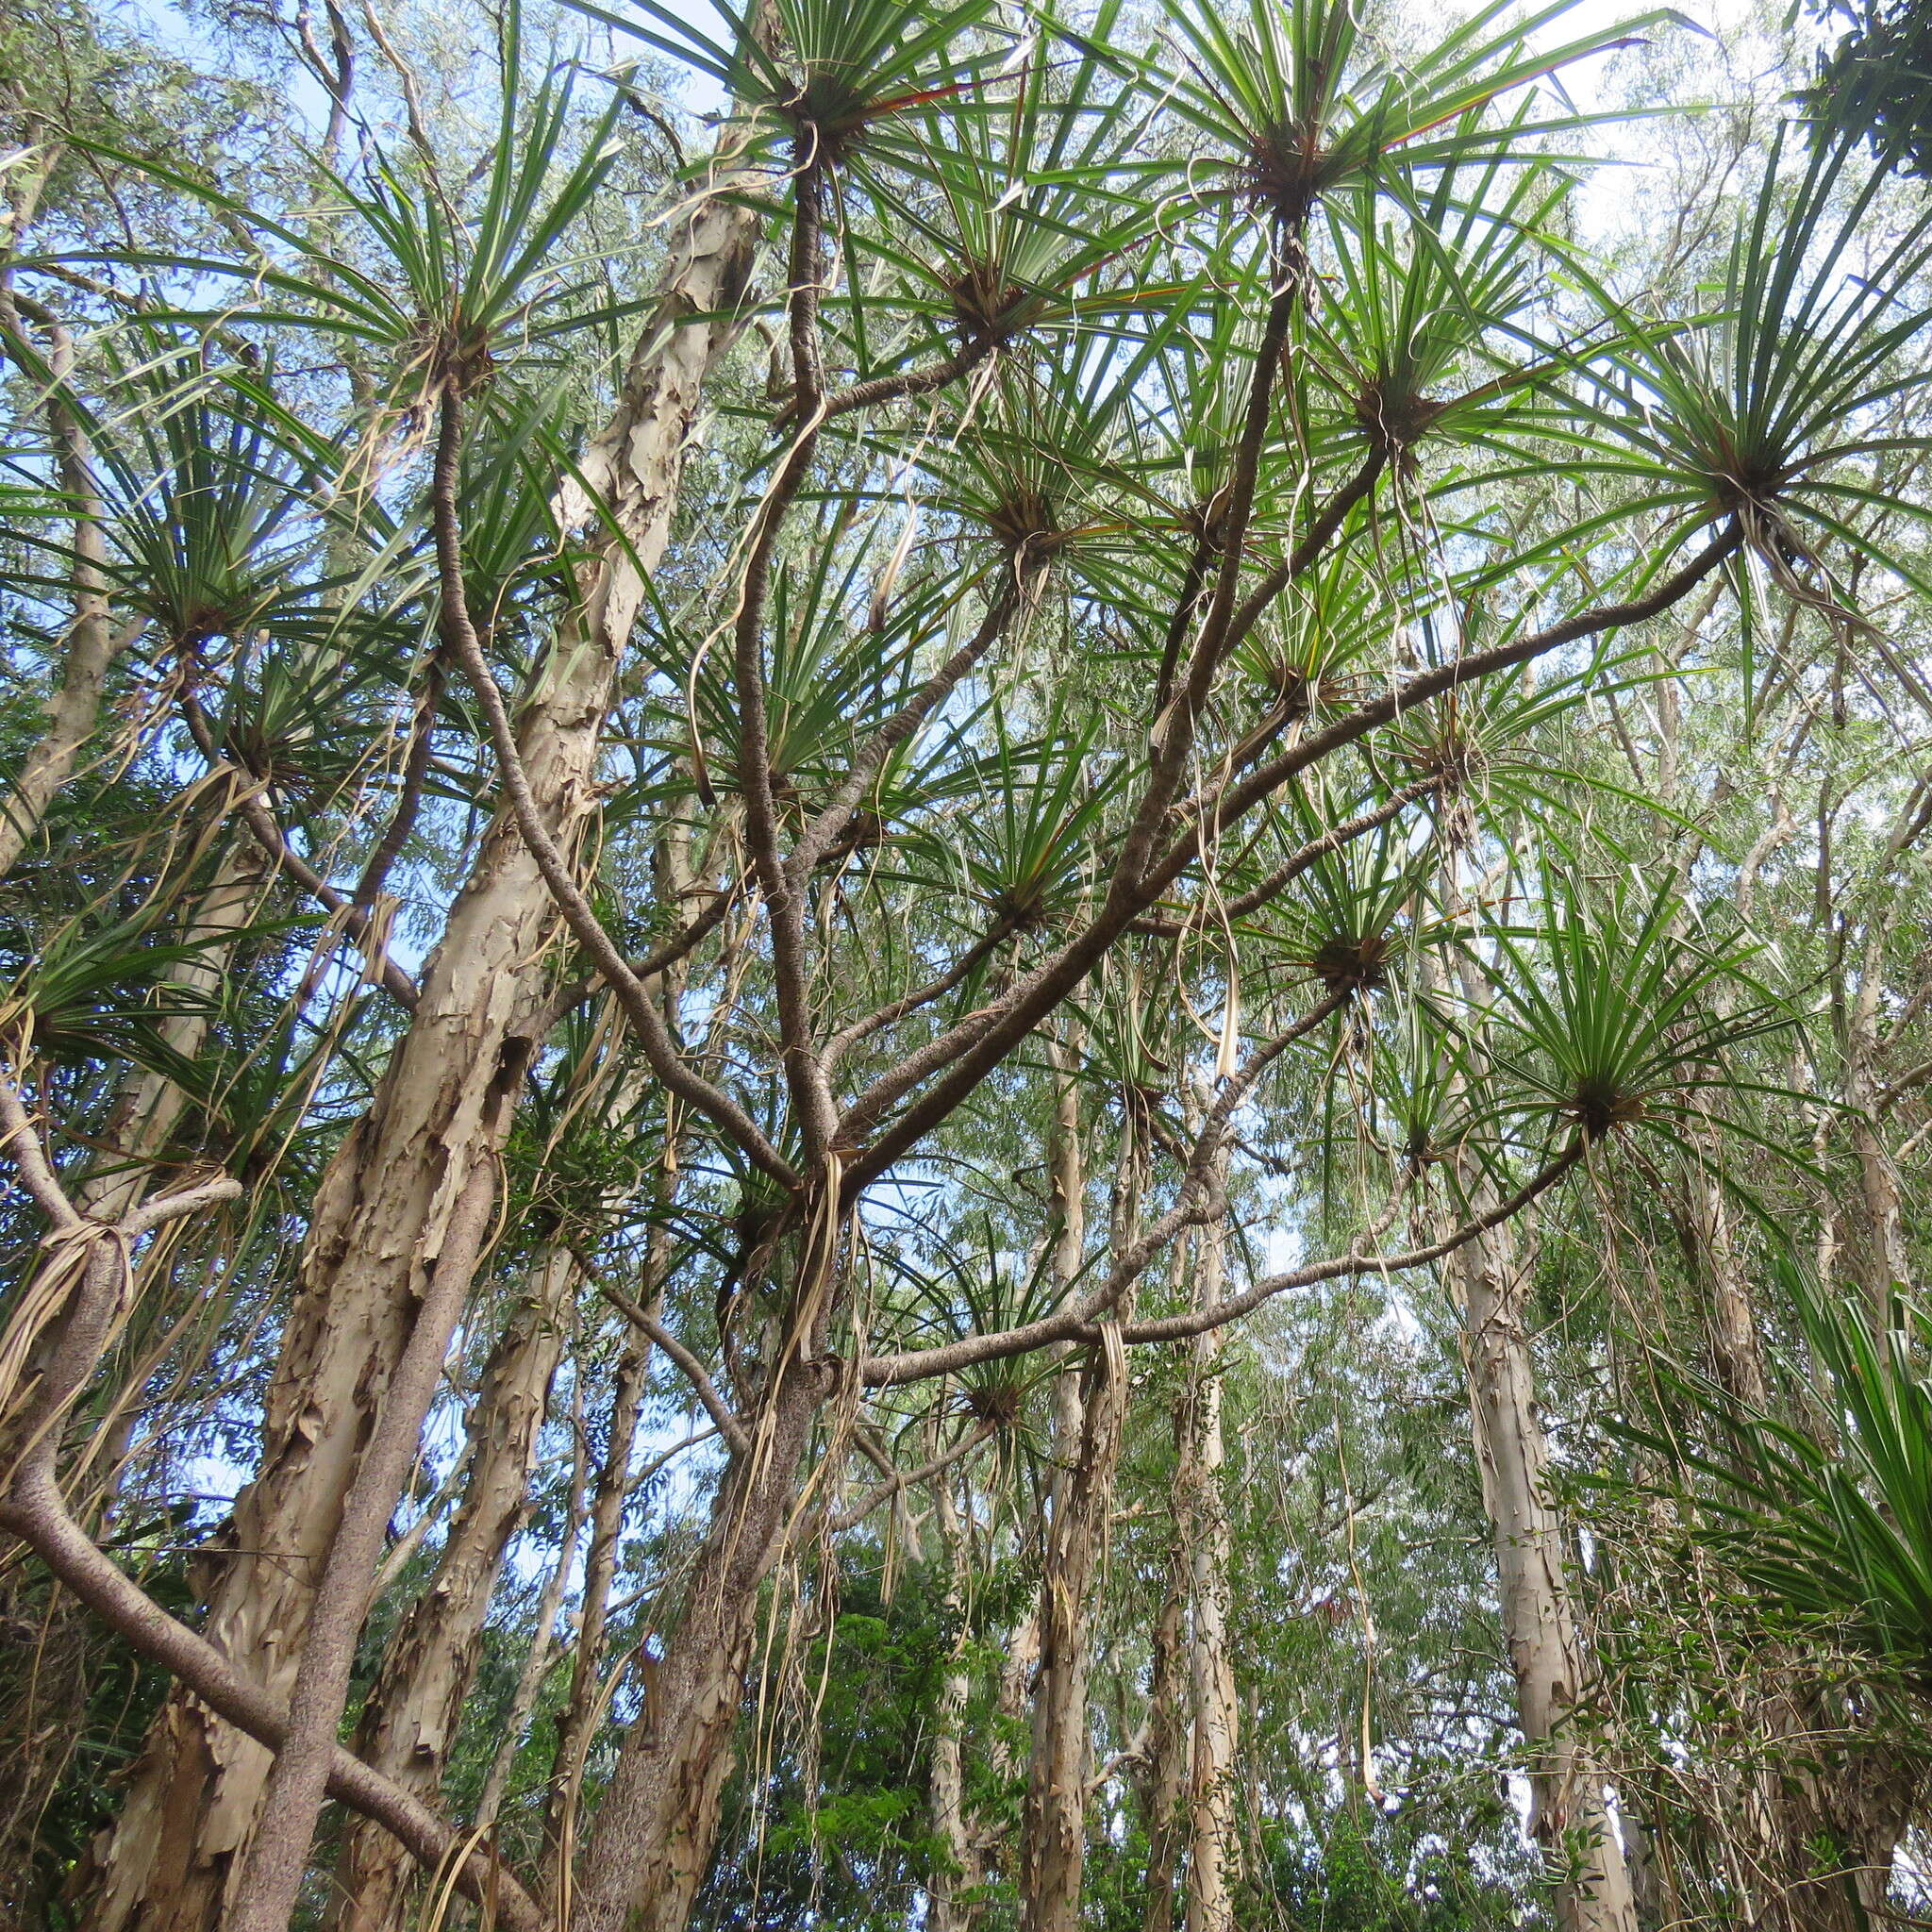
654, 1832
1214, 1708
582, 1708
995, 1851
1054, 1825
440, 1112
413, 1709
948, 1912
1170, 1730
91, 643
1568, 1816
1883, 1264
549, 1606
1089, 1409
1736, 1350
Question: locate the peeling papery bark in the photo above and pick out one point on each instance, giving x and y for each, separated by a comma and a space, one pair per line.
376, 1233
946, 1791
1214, 1708
409, 1719
654, 1833
1569, 1815
1195, 1721
441, 1110
1053, 1820
1884, 1266
1089, 1417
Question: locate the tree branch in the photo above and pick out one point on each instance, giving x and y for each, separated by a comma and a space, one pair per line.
811, 1097
897, 1484
977, 1044
35, 1513
647, 1324
1237, 799
911, 382
866, 765
355, 919
843, 1041
919, 1365
1311, 854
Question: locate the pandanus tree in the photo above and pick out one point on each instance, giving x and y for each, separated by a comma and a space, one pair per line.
1036, 593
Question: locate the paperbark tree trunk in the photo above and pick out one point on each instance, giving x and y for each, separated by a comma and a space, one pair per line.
654, 1833
91, 643
1170, 1727
1216, 1714
993, 1848
440, 1113
948, 1911
1569, 1815
1090, 1411
1054, 1823
412, 1714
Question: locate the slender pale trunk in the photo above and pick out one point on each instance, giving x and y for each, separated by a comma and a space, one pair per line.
1214, 1706
1052, 1839
658, 1822
1883, 1263
1736, 1348
91, 642
948, 1911
149, 1104
409, 1720
438, 1121
1170, 1732
1091, 1412
1569, 1815
536, 1658
995, 1850
582, 1707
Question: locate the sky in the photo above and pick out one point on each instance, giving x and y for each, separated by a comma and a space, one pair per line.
1610, 200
